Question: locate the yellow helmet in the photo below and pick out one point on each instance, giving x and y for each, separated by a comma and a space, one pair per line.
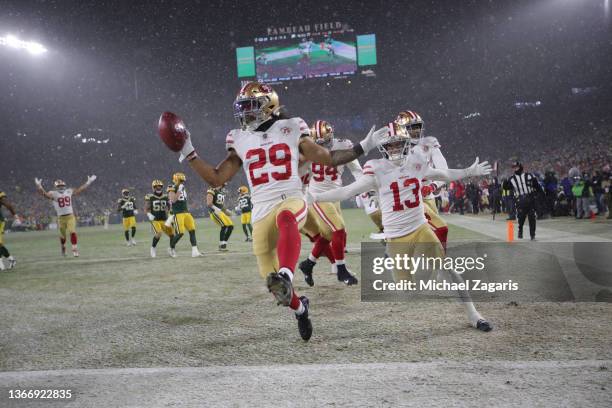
243, 190
412, 123
255, 104
178, 178
157, 183
322, 132
59, 184
125, 192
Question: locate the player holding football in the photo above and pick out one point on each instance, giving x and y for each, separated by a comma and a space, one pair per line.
156, 208
4, 253
181, 217
397, 178
215, 201
412, 123
126, 205
326, 178
62, 202
245, 206
268, 145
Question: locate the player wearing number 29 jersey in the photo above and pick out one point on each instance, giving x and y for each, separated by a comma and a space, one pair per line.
397, 178
268, 145
62, 202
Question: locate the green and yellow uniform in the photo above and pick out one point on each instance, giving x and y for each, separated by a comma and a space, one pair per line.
183, 220
158, 206
218, 200
246, 206
127, 205
2, 220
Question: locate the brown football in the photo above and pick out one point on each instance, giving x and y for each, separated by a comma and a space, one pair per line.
172, 131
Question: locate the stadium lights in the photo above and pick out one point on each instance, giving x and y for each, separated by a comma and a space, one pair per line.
33, 48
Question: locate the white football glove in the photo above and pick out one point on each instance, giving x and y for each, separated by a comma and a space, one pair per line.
373, 139
135, 212
91, 179
478, 169
38, 182
151, 217
180, 188
169, 221
187, 148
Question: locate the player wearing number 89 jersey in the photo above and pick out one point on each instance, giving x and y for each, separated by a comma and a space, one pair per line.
268, 145
397, 178
62, 202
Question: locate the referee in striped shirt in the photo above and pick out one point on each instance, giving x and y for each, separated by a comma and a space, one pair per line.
525, 187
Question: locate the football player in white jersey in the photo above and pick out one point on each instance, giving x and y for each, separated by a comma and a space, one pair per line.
413, 125
397, 178
62, 202
268, 145
325, 178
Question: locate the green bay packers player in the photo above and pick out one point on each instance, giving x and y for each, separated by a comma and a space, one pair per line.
62, 202
325, 178
414, 125
181, 217
245, 206
268, 144
215, 201
126, 205
4, 253
397, 178
156, 208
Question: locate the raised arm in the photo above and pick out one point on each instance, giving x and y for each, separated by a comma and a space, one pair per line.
4, 202
475, 170
83, 187
317, 154
41, 189
355, 168
361, 185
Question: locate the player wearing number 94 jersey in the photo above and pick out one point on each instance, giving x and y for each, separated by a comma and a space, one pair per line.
268, 144
62, 202
397, 178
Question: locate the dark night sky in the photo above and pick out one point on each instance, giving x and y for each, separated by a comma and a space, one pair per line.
444, 59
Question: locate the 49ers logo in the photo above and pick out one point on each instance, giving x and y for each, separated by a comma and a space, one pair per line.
286, 130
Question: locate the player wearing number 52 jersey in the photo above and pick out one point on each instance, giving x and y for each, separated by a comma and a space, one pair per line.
126, 205
62, 202
156, 208
397, 178
326, 178
268, 145
181, 217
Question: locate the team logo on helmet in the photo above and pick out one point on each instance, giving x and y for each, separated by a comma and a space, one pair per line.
255, 104
322, 132
412, 123
395, 146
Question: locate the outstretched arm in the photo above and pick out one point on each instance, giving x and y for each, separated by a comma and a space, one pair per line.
41, 189
216, 176
361, 185
80, 189
475, 170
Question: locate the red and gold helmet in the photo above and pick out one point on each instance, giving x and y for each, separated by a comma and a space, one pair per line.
412, 123
322, 132
59, 184
255, 104
396, 144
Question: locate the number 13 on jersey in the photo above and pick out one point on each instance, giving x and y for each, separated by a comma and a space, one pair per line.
408, 190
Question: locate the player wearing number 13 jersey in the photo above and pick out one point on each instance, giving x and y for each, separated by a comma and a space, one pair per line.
268, 145
397, 178
62, 202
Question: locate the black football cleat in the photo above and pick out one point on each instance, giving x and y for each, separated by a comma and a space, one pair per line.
304, 323
280, 286
483, 325
345, 276
306, 267
520, 234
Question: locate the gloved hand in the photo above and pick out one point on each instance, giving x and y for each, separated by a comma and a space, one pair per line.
150, 216
187, 148
91, 179
427, 190
38, 182
373, 139
478, 169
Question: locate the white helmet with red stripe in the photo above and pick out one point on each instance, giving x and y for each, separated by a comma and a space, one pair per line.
412, 123
395, 146
323, 133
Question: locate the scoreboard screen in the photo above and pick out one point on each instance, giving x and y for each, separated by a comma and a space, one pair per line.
296, 56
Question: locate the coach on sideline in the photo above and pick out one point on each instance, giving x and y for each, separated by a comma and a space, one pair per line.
525, 187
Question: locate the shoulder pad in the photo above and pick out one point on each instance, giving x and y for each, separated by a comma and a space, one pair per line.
431, 141
301, 125
369, 167
229, 139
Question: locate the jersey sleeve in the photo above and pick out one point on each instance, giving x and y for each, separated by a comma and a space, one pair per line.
302, 127
229, 140
368, 168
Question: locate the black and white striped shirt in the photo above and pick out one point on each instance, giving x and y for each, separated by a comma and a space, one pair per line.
523, 184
